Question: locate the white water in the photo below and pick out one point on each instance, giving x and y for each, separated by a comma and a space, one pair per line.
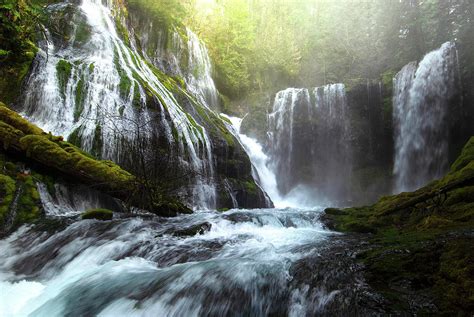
108, 113
423, 94
198, 79
136, 268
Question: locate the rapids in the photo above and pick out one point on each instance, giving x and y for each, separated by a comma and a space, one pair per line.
239, 262
144, 267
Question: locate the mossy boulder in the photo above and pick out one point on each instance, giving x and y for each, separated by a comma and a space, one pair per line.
98, 213
170, 208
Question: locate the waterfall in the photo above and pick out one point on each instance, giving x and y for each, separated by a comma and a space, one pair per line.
199, 80
309, 142
99, 91
281, 131
261, 172
308, 157
423, 94
182, 56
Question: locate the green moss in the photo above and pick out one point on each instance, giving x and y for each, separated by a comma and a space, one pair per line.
75, 137
16, 121
122, 31
29, 201
454, 282
98, 142
13, 73
387, 80
137, 98
250, 187
7, 190
467, 156
83, 32
79, 99
9, 136
98, 213
125, 83
63, 73
216, 124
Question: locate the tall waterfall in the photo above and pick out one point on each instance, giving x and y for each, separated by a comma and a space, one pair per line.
423, 94
309, 142
97, 89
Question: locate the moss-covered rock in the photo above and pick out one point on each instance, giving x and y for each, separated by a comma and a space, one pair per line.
466, 157
98, 213
7, 190
170, 208
422, 240
63, 73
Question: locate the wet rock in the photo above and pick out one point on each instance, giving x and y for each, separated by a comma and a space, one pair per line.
200, 228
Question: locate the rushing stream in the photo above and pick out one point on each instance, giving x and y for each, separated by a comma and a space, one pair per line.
144, 267
240, 262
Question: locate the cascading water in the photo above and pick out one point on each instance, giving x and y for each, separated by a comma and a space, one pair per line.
309, 142
423, 95
96, 91
260, 162
187, 59
198, 79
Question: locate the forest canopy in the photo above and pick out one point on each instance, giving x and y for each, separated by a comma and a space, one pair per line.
257, 45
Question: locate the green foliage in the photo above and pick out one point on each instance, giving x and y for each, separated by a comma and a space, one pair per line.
165, 12
19, 21
98, 213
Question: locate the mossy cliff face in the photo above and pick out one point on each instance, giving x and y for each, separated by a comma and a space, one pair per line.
23, 139
422, 242
168, 154
164, 45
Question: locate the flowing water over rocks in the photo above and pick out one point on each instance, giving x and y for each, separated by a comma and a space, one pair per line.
241, 263
96, 92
